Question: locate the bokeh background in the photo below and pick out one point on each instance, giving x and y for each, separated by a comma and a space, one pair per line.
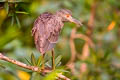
94, 54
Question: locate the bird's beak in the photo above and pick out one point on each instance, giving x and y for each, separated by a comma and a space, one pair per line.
71, 19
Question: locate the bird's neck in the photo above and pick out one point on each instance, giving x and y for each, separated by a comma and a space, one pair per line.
59, 16
58, 19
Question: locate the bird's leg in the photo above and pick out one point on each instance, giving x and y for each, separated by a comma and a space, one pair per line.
53, 60
43, 66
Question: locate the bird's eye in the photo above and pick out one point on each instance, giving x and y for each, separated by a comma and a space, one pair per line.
68, 15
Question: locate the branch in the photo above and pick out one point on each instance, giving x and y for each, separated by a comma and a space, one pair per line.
92, 19
33, 68
74, 54
87, 39
72, 46
70, 64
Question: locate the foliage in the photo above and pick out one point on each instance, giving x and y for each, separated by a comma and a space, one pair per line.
102, 62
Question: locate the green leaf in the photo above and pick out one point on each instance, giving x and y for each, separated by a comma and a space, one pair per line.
58, 64
18, 22
39, 60
36, 76
10, 35
12, 21
49, 62
6, 7
53, 75
33, 76
33, 61
57, 60
2, 66
21, 12
28, 61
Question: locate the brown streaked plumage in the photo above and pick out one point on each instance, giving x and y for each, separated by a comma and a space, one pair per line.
47, 28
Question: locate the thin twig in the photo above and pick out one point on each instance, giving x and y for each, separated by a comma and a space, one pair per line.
85, 51
91, 20
72, 46
73, 36
84, 37
88, 43
70, 64
33, 68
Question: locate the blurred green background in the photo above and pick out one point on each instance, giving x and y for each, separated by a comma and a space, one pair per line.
101, 23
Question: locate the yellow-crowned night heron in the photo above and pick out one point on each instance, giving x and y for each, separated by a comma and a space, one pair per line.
47, 28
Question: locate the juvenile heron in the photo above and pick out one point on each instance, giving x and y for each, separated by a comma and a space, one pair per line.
47, 28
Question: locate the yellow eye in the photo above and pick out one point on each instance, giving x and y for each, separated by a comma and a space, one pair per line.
68, 15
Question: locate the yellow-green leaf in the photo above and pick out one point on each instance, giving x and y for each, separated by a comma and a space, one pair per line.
39, 60
33, 61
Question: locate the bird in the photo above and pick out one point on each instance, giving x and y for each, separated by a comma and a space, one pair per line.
47, 28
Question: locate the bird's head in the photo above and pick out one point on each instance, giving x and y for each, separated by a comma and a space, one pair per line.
67, 16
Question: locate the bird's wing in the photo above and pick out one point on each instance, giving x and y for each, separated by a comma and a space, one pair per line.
38, 32
53, 30
35, 31
41, 33
46, 32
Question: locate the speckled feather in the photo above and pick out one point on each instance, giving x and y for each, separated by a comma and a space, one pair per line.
46, 31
